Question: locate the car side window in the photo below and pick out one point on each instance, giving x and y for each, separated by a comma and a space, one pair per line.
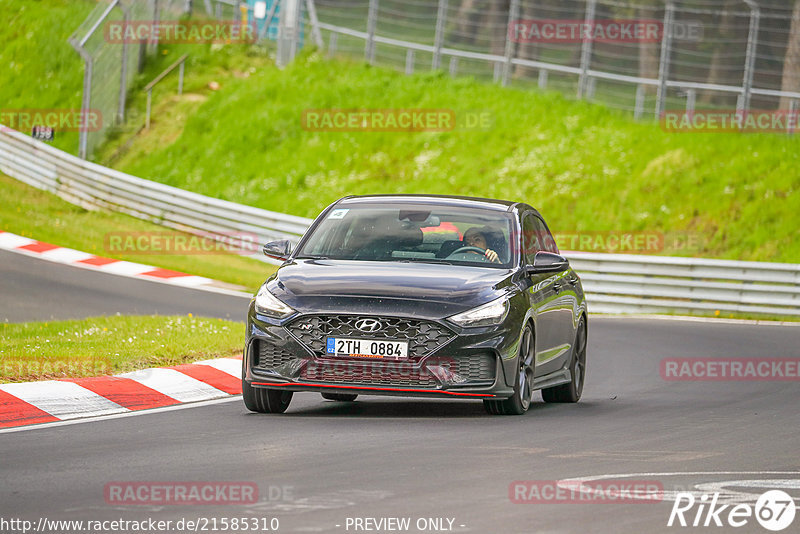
530, 241
546, 240
536, 238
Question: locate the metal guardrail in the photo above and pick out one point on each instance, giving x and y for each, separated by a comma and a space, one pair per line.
94, 186
614, 283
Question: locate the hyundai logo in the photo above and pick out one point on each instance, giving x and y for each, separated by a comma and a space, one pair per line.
369, 325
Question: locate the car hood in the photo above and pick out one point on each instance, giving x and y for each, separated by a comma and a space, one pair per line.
363, 286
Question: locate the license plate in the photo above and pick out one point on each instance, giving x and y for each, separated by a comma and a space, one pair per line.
366, 348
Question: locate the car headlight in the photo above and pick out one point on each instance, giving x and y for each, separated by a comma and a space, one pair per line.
488, 314
268, 304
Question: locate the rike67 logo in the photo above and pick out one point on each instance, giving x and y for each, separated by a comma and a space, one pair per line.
774, 510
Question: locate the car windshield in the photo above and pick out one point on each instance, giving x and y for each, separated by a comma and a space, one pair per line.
413, 233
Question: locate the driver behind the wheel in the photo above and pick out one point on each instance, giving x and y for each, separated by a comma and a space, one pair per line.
476, 237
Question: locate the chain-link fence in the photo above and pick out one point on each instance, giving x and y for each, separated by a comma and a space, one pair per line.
642, 56
110, 67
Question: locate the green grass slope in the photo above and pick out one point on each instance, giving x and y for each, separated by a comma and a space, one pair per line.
40, 69
585, 167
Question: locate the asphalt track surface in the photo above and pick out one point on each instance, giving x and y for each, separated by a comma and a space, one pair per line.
324, 462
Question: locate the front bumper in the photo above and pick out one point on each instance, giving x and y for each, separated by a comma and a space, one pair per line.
450, 362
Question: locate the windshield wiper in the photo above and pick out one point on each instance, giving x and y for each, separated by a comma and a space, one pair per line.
424, 260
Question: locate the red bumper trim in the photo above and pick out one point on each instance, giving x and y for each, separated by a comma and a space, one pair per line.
455, 393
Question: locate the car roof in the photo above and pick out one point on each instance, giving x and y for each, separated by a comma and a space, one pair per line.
438, 200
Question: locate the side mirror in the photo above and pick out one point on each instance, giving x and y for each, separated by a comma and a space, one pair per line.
547, 262
280, 250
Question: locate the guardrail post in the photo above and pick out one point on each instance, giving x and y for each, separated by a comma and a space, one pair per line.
438, 40
542, 79
638, 108
791, 119
372, 22
586, 48
750, 56
409, 61
180, 77
513, 15
453, 66
666, 52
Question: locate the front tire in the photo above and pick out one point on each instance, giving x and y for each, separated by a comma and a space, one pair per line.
341, 397
262, 400
572, 391
520, 401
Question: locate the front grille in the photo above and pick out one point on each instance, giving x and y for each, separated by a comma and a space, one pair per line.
423, 336
270, 357
369, 373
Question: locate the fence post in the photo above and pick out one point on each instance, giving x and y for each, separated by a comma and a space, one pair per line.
750, 57
586, 47
180, 77
542, 79
513, 14
86, 103
311, 7
156, 16
438, 40
332, 43
691, 98
453, 66
123, 80
409, 61
298, 24
372, 21
149, 107
666, 51
638, 108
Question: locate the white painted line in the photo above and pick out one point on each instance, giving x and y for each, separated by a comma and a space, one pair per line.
125, 268
175, 384
135, 413
66, 255
65, 400
188, 281
9, 241
227, 365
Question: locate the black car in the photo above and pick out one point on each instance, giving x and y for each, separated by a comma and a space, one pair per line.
418, 296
